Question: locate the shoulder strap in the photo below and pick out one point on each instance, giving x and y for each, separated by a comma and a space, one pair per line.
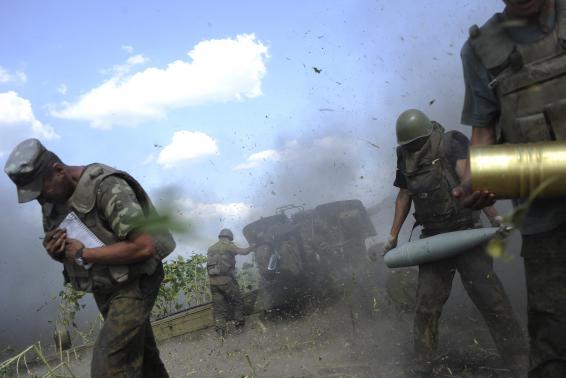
449, 169
84, 196
491, 43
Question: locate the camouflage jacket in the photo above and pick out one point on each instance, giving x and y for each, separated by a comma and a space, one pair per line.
110, 203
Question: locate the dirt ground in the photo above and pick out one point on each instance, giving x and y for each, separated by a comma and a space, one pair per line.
360, 333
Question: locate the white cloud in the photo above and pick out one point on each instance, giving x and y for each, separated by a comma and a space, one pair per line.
329, 142
127, 48
62, 89
218, 70
15, 110
214, 211
16, 77
257, 158
137, 59
187, 145
22, 77
207, 218
149, 159
119, 71
5, 77
321, 148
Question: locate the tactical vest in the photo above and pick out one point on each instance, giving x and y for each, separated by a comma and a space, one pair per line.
430, 179
529, 79
221, 261
83, 202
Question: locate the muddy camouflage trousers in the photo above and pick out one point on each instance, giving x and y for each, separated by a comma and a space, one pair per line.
544, 257
485, 291
126, 346
227, 303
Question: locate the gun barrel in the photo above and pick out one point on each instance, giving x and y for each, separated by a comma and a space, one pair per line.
516, 170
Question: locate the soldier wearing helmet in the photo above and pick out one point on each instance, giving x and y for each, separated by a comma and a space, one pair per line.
515, 92
227, 302
430, 163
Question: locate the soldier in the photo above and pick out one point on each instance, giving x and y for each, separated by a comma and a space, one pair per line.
429, 163
516, 93
124, 275
227, 302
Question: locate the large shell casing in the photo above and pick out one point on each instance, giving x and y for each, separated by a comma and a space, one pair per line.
438, 247
516, 170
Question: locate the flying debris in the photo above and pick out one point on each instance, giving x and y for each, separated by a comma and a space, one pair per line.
372, 144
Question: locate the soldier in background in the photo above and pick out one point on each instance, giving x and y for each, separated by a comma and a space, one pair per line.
516, 93
227, 302
429, 165
124, 275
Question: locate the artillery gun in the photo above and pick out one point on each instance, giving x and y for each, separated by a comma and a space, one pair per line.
301, 254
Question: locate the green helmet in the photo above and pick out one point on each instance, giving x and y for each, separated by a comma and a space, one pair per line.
412, 124
226, 233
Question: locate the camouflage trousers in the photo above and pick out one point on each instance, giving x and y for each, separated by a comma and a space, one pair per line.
126, 346
544, 257
227, 303
486, 292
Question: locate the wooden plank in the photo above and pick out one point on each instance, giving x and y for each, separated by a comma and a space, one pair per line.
191, 320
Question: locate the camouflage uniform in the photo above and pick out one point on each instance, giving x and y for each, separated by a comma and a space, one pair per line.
125, 346
227, 302
485, 291
111, 204
430, 194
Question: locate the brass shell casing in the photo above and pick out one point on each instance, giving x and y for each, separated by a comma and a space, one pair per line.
516, 170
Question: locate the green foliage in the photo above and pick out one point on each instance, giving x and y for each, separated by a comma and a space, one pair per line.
20, 364
165, 221
185, 284
69, 305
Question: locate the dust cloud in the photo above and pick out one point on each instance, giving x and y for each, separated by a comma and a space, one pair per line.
348, 154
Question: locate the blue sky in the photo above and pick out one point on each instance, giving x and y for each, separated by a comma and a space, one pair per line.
113, 82
241, 126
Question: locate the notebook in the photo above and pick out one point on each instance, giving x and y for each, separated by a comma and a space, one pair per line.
76, 229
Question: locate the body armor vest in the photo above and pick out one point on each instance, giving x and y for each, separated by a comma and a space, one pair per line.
83, 203
221, 261
430, 179
529, 79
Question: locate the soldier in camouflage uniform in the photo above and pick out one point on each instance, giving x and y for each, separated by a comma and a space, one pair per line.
429, 165
124, 274
516, 93
227, 302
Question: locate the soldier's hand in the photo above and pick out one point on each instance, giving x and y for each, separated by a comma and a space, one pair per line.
54, 243
71, 248
496, 221
475, 200
391, 243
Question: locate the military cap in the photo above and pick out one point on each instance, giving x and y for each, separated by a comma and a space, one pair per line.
26, 166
